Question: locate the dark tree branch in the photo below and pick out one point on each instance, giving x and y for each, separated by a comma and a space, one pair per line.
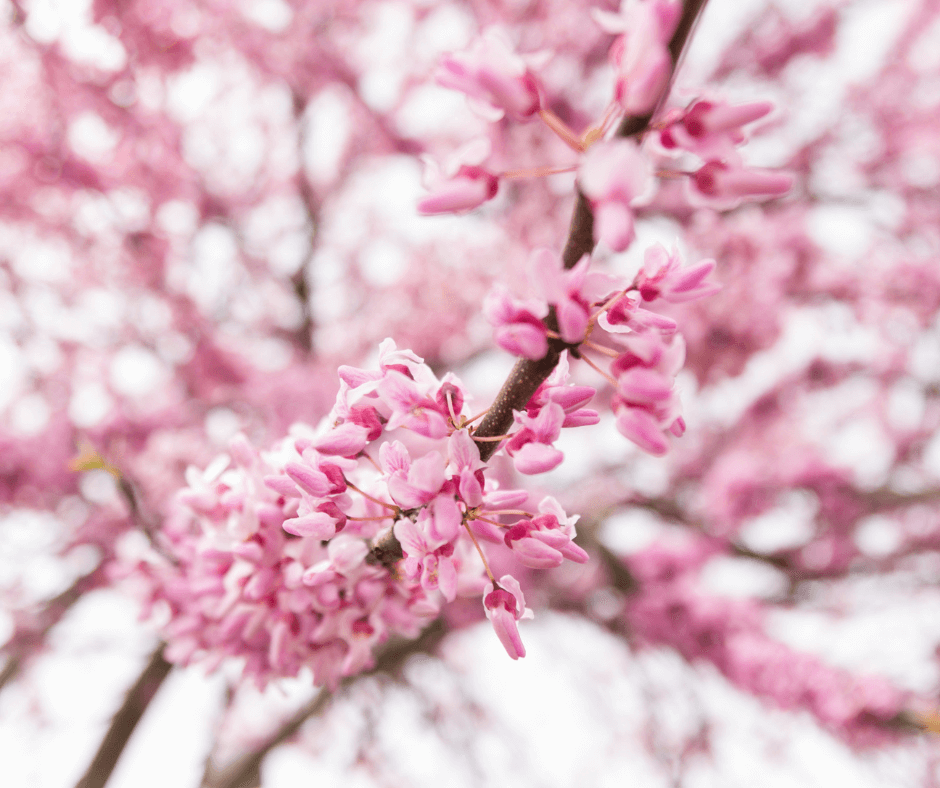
136, 701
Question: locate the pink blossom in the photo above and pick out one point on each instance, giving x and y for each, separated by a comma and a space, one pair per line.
469, 188
496, 80
571, 292
531, 446
646, 403
712, 129
662, 277
545, 540
504, 606
730, 183
640, 55
519, 327
613, 176
626, 315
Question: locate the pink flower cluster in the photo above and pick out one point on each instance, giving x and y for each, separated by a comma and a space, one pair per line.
499, 83
672, 610
600, 313
270, 551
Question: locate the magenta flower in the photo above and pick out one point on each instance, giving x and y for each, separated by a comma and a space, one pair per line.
662, 277
646, 403
545, 541
571, 292
519, 326
412, 407
504, 606
712, 129
428, 547
531, 446
626, 315
730, 183
420, 484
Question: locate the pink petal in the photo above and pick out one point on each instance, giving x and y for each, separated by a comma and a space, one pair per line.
536, 458
645, 386
536, 554
640, 427
346, 440
316, 524
613, 224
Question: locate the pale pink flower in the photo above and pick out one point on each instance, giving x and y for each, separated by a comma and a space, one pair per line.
531, 446
662, 277
640, 54
504, 606
494, 78
712, 129
626, 315
469, 188
728, 183
423, 481
545, 540
570, 291
613, 176
519, 326
646, 403
460, 183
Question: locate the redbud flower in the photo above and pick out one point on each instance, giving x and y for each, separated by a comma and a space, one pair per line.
545, 541
730, 183
571, 292
494, 78
519, 326
531, 446
468, 189
662, 277
504, 606
639, 55
712, 129
646, 404
460, 184
613, 176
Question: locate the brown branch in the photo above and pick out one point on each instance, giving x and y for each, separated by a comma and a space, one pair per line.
245, 771
136, 701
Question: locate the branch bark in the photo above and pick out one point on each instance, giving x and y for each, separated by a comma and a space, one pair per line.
136, 701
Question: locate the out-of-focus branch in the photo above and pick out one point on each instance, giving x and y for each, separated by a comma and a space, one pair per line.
29, 638
245, 771
135, 703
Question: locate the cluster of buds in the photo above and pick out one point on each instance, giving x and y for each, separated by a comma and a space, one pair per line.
604, 314
271, 554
